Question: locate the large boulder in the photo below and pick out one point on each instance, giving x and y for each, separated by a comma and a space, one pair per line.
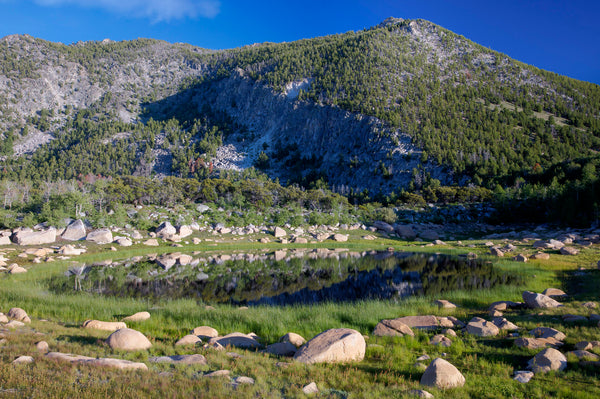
383, 226
391, 328
405, 231
337, 345
442, 374
547, 332
100, 236
279, 232
24, 237
128, 339
19, 315
104, 325
74, 231
535, 300
482, 328
165, 230
548, 360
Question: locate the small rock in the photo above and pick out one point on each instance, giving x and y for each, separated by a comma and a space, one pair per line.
188, 340
205, 332
180, 359
218, 373
42, 346
392, 328
420, 393
523, 376
310, 389
294, 339
547, 332
104, 325
584, 355
442, 375
23, 360
444, 304
19, 315
441, 340
139, 316
554, 292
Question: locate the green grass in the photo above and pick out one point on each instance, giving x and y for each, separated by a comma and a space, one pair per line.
387, 371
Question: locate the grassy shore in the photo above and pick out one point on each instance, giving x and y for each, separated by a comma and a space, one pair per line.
388, 369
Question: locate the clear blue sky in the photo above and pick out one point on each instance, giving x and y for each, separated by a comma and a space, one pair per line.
560, 36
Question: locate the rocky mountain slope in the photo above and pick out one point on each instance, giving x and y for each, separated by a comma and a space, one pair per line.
404, 104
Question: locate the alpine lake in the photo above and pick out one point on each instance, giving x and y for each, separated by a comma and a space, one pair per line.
282, 277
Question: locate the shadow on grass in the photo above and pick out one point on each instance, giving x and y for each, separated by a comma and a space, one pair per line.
582, 285
81, 340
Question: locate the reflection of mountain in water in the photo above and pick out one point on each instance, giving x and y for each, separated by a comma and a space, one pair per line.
295, 279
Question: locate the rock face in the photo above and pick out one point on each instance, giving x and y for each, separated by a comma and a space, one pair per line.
74, 231
337, 345
535, 301
392, 328
442, 375
104, 325
548, 360
128, 339
23, 237
100, 236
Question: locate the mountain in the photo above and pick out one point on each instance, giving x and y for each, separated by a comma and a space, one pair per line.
406, 104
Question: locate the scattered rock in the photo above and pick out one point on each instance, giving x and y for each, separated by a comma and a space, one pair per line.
139, 316
279, 232
520, 258
441, 340
547, 360
19, 315
152, 242
310, 389
42, 346
100, 236
104, 325
128, 339
236, 339
496, 252
188, 340
534, 300
420, 393
584, 355
523, 376
180, 359
531, 343
101, 362
569, 251
482, 328
554, 292
16, 269
392, 328
294, 339
205, 332
281, 349
504, 324
340, 237
14, 324
420, 322
547, 332
24, 237
218, 374
74, 231
165, 230
540, 256
590, 305
23, 360
444, 304
333, 346
442, 375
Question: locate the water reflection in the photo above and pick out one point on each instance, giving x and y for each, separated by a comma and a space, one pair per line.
283, 277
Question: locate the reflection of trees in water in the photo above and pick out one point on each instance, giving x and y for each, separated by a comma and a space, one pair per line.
379, 275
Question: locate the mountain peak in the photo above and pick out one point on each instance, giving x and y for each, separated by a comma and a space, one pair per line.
390, 21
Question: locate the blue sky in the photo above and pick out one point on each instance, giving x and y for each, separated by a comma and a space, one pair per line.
561, 36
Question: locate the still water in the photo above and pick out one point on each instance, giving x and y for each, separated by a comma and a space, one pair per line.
284, 277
